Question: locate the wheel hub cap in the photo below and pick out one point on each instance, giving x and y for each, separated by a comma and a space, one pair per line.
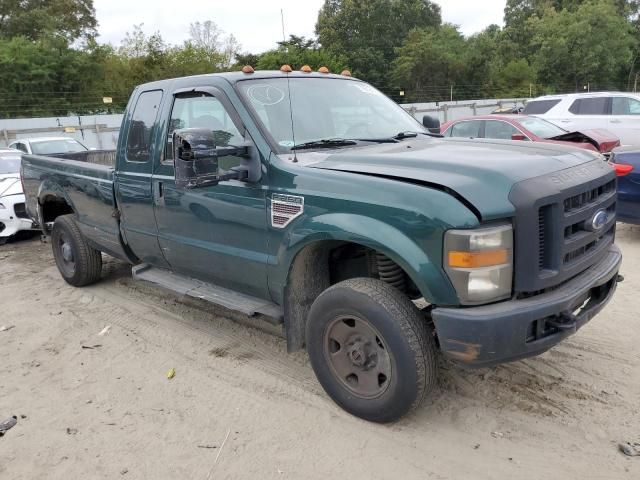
67, 254
357, 356
360, 353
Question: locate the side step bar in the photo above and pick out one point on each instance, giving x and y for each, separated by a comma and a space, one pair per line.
207, 291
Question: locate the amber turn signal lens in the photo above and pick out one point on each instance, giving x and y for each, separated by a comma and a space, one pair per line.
489, 258
323, 70
286, 69
247, 69
306, 69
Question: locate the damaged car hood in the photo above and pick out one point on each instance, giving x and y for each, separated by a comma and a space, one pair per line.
10, 186
482, 172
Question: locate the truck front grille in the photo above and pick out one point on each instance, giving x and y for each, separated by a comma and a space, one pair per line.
555, 219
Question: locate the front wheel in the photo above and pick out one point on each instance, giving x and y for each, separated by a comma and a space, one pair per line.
370, 349
78, 262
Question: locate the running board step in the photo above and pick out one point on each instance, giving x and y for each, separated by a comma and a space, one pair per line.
207, 291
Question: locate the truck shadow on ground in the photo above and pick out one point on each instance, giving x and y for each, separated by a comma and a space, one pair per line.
557, 383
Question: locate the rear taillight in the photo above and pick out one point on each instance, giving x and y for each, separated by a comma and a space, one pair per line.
622, 169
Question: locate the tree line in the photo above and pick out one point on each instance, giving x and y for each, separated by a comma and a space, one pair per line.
51, 62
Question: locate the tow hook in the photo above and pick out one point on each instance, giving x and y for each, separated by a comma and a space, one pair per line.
565, 321
620, 278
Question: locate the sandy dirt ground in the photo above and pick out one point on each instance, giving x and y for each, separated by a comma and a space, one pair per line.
240, 407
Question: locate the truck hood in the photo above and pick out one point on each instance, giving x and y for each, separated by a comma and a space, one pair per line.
481, 172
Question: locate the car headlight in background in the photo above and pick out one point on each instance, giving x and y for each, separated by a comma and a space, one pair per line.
479, 263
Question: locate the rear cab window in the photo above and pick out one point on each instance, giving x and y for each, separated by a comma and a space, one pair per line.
142, 126
539, 107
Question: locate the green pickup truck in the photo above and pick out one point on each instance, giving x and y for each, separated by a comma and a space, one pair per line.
312, 200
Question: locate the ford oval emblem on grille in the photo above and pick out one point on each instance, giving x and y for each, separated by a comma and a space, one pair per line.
598, 221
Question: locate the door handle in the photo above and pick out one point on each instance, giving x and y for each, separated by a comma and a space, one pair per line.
159, 192
616, 121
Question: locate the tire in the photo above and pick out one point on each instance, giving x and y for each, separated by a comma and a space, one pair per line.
344, 323
78, 262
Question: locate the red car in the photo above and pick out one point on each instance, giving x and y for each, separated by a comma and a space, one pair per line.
523, 127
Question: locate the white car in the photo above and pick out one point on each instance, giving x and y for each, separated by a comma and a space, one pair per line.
13, 214
48, 145
616, 112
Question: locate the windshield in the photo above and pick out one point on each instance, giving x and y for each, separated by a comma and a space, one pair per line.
541, 127
9, 163
324, 108
49, 147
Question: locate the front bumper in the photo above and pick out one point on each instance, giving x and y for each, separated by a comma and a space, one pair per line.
10, 223
515, 329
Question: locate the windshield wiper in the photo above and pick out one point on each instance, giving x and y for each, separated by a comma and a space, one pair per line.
324, 143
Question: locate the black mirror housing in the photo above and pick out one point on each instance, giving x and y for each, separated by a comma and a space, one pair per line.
195, 158
431, 123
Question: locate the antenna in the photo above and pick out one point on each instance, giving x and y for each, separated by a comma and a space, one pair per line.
284, 38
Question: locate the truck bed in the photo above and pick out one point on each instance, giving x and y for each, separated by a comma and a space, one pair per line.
79, 183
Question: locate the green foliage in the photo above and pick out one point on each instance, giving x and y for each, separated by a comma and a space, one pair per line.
367, 33
50, 63
431, 56
37, 19
591, 44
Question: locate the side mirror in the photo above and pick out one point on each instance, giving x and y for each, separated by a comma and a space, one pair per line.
431, 123
518, 136
195, 157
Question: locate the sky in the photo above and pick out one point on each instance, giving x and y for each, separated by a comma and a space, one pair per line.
256, 24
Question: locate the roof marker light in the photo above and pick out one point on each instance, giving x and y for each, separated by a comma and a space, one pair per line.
306, 69
247, 69
346, 73
286, 68
323, 70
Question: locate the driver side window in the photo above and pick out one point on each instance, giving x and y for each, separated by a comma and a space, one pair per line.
200, 110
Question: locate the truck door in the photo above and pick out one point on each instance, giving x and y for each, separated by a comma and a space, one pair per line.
214, 233
133, 180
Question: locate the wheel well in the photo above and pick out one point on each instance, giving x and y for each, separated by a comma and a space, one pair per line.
322, 264
52, 207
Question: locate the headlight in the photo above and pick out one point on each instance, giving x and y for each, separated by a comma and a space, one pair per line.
479, 263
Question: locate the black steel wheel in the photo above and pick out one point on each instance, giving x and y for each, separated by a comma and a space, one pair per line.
370, 349
78, 262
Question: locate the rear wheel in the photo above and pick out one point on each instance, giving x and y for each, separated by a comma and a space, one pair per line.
78, 262
370, 349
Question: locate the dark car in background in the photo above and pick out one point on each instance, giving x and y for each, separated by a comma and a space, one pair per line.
527, 128
626, 161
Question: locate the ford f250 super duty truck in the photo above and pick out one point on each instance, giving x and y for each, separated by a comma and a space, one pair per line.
315, 201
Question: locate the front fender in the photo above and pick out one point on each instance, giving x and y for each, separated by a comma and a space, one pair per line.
426, 273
